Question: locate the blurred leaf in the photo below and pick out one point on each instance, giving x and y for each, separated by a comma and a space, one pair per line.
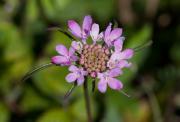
52, 80
31, 101
4, 113
32, 11
16, 57
103, 8
175, 53
55, 115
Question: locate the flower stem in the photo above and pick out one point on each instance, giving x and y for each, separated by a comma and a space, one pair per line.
87, 101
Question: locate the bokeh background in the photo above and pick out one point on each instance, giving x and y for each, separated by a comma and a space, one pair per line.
25, 42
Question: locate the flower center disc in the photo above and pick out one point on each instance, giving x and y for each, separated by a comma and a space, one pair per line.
94, 58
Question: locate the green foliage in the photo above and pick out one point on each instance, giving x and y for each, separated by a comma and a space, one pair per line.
4, 113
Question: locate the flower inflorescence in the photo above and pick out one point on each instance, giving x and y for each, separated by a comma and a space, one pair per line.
94, 58
102, 59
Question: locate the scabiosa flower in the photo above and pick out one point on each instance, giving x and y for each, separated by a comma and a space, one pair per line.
103, 59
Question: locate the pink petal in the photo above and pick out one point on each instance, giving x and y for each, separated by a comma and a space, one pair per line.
115, 33
115, 72
123, 63
126, 54
74, 58
100, 36
77, 45
75, 28
94, 31
87, 23
71, 51
61, 49
100, 75
102, 86
115, 84
59, 60
73, 68
108, 31
118, 44
71, 77
80, 80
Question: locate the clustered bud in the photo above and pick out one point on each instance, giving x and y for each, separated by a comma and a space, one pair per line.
94, 58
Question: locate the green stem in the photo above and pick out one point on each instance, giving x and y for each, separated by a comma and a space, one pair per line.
87, 101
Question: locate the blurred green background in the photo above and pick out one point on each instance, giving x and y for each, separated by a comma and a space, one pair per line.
25, 42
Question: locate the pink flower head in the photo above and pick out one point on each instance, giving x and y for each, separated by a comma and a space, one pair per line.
111, 35
103, 61
66, 56
77, 74
79, 32
95, 35
108, 78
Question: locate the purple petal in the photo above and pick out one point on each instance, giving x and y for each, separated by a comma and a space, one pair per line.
118, 44
94, 31
71, 51
84, 73
115, 72
115, 33
75, 28
100, 75
59, 60
73, 68
123, 63
108, 31
115, 56
71, 77
76, 45
87, 23
115, 84
126, 54
80, 80
102, 86
74, 58
61, 49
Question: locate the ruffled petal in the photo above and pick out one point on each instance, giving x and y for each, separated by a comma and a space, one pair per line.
126, 54
87, 23
61, 49
100, 36
118, 44
71, 77
115, 34
71, 51
75, 28
100, 75
107, 31
74, 58
123, 63
115, 84
80, 80
102, 86
115, 72
94, 31
59, 60
77, 45
73, 68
